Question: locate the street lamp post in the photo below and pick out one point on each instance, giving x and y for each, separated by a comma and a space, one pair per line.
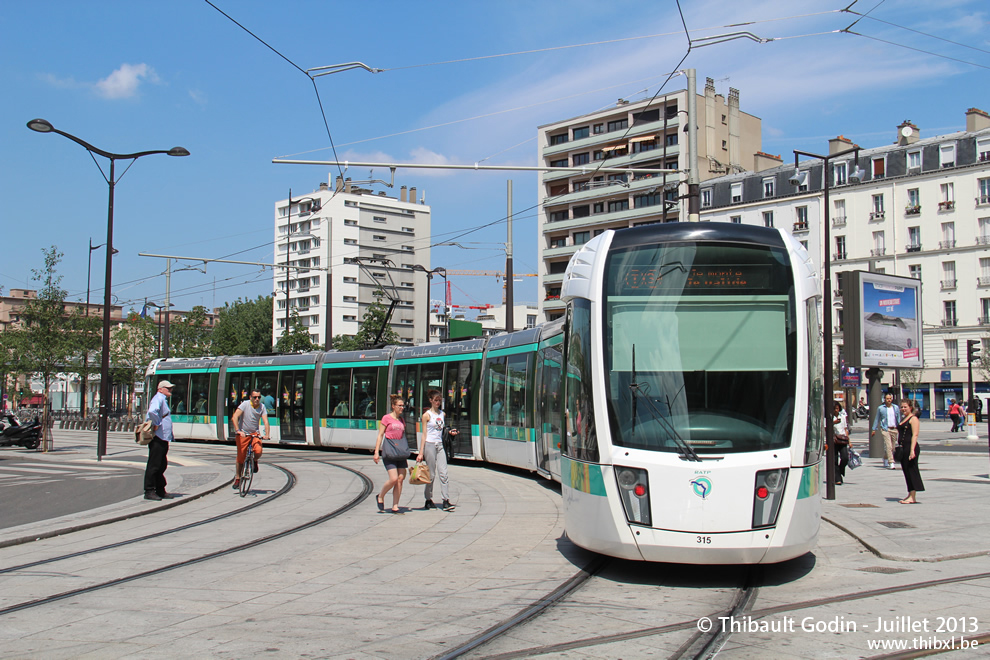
43, 126
798, 177
85, 374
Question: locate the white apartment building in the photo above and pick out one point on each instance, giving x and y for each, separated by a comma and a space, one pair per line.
922, 210
576, 206
324, 235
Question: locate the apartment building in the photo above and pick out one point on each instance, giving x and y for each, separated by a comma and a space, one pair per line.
342, 244
12, 305
578, 205
920, 209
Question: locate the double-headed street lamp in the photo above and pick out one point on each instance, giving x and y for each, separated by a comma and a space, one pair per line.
85, 374
43, 126
440, 270
799, 179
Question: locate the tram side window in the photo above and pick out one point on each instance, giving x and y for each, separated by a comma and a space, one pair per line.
496, 391
458, 396
430, 378
549, 393
816, 418
267, 384
338, 388
363, 397
180, 394
199, 393
581, 437
518, 374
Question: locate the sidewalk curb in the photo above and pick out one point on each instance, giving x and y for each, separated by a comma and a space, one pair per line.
860, 536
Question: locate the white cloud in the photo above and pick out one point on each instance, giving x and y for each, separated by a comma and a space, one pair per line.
123, 83
198, 97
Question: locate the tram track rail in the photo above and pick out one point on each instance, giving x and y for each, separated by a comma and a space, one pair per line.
742, 605
365, 491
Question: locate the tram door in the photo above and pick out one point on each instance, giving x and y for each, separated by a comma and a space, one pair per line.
548, 407
458, 393
292, 406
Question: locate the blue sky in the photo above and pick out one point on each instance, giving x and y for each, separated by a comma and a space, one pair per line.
134, 76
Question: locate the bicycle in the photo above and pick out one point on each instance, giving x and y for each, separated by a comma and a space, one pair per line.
247, 468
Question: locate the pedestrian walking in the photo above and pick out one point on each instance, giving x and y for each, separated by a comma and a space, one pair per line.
392, 445
910, 450
885, 423
954, 415
841, 436
161, 417
431, 446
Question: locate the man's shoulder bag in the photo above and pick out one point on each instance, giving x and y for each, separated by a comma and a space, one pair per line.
144, 432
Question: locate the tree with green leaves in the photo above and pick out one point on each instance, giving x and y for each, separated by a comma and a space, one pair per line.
192, 336
244, 327
297, 339
133, 345
371, 325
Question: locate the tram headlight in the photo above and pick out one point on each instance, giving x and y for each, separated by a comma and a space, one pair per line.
634, 491
767, 496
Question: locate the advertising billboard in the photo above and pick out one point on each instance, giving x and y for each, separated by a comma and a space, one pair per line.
883, 320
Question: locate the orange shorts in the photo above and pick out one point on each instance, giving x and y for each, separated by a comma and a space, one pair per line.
242, 442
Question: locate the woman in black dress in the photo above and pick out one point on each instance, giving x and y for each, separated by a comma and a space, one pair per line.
907, 438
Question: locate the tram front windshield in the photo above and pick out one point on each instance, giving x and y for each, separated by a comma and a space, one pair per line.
700, 347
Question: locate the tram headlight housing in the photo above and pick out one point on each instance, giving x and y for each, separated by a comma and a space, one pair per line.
634, 491
767, 496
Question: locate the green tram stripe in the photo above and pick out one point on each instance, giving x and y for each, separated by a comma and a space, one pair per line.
582, 477
810, 478
440, 358
512, 350
349, 365
193, 419
515, 433
350, 424
274, 367
181, 370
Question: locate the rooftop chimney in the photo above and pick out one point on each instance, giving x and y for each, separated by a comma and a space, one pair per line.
976, 120
338, 184
324, 185
840, 143
403, 194
347, 185
412, 195
907, 133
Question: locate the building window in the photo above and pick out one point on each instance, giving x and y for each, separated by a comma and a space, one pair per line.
725, 145
947, 155
736, 190
983, 226
768, 218
559, 163
840, 247
948, 236
879, 167
879, 244
644, 145
839, 174
599, 128
618, 125
670, 139
408, 230
598, 207
558, 242
983, 149
618, 205
914, 239
581, 211
652, 199
558, 139
839, 213
618, 177
801, 217
914, 160
950, 311
947, 192
948, 274
735, 219
706, 197
350, 223
598, 154
951, 351
580, 159
580, 133
804, 244
984, 188
379, 218
914, 270
350, 280
581, 237
914, 200
877, 206
768, 187
350, 318
557, 216
378, 237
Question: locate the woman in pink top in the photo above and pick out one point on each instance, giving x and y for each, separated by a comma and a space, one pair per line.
394, 452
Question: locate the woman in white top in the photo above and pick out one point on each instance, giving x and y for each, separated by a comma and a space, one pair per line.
431, 447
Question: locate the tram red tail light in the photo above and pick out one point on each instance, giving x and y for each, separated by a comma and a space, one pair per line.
634, 491
767, 496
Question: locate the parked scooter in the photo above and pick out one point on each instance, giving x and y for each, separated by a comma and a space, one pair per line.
22, 435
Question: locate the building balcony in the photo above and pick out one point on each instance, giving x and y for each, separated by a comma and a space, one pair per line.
983, 281
619, 161
912, 210
878, 252
800, 227
946, 206
946, 245
877, 216
601, 192
950, 362
914, 247
596, 140
983, 240
553, 278
839, 256
839, 221
563, 251
950, 323
948, 284
983, 320
983, 200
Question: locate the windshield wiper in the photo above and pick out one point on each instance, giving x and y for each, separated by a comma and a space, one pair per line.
688, 452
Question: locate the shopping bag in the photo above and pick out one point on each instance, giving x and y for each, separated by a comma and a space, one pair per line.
144, 432
854, 460
420, 474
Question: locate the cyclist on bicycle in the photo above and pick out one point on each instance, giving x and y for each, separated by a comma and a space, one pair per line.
247, 419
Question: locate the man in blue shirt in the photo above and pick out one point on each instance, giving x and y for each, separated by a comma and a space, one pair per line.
160, 416
885, 423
